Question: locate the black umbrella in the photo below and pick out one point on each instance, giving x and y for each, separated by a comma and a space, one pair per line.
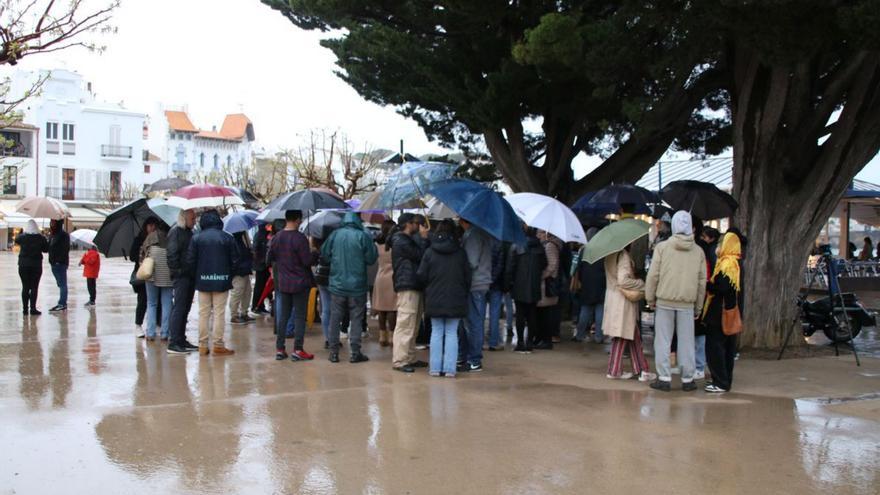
621, 194
702, 199
122, 225
168, 184
307, 201
248, 197
322, 224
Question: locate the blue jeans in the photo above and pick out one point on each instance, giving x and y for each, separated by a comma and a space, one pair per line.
444, 345
470, 348
700, 352
326, 307
589, 314
496, 299
60, 273
153, 295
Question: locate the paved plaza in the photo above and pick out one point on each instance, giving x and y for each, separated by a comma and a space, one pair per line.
88, 408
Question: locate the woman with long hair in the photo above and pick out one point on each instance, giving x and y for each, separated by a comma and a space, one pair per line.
724, 292
384, 303
620, 319
159, 285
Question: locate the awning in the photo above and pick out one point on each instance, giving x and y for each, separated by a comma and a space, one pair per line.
81, 217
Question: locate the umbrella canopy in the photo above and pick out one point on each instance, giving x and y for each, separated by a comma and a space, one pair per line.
613, 238
168, 184
372, 203
240, 221
204, 196
307, 200
412, 181
702, 199
437, 210
321, 224
548, 214
482, 207
248, 197
620, 194
327, 190
122, 225
585, 207
42, 207
85, 237
165, 211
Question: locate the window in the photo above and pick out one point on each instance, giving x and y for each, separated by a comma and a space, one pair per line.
146, 168
228, 161
10, 180
216, 162
180, 155
51, 131
67, 132
202, 160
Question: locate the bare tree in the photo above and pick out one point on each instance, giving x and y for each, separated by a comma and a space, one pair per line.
328, 159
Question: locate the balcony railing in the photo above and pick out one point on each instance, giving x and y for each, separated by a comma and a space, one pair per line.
114, 151
79, 194
17, 150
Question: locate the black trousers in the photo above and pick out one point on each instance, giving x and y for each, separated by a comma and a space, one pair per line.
720, 354
260, 279
548, 323
91, 285
526, 315
30, 284
183, 291
141, 309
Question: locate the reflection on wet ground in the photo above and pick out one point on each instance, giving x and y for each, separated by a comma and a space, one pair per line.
89, 408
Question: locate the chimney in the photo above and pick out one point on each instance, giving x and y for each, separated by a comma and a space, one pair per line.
89, 87
213, 128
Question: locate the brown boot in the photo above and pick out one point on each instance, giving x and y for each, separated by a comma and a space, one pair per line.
203, 350
222, 351
383, 338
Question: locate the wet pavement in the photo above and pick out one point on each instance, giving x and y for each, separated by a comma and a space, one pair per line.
88, 408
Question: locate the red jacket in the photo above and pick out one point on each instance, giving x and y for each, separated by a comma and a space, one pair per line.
91, 263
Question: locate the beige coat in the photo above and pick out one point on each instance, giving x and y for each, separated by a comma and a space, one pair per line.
384, 297
552, 247
621, 315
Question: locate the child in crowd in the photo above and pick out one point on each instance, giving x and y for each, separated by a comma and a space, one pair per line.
91, 263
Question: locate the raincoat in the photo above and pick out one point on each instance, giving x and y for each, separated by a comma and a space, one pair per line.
349, 249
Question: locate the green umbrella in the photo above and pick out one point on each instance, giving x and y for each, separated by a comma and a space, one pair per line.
614, 238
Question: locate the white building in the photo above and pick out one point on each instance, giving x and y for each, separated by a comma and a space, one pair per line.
186, 151
81, 150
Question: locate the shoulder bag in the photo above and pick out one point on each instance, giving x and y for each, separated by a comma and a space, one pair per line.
146, 269
731, 321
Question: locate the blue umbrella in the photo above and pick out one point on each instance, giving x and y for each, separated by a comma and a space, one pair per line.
240, 221
620, 194
585, 207
412, 180
482, 207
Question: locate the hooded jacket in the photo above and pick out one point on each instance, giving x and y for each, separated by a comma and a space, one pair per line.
212, 254
350, 250
32, 246
179, 238
261, 246
677, 277
245, 261
446, 276
525, 269
59, 246
406, 256
478, 246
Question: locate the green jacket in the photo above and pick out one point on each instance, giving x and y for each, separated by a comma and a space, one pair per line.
349, 250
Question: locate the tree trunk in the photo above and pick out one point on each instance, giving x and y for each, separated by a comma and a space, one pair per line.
786, 183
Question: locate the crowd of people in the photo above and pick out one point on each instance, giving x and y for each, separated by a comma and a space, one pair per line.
434, 282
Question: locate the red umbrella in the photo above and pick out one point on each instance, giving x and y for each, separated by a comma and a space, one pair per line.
204, 196
270, 286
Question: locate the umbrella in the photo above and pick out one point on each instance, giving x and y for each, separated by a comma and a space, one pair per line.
321, 224
437, 210
42, 207
307, 200
620, 194
326, 190
371, 203
248, 197
613, 238
168, 184
548, 214
167, 212
585, 207
482, 207
85, 237
203, 196
123, 224
240, 221
412, 180
702, 199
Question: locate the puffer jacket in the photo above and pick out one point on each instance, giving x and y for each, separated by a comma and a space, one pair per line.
212, 254
178, 244
446, 276
677, 277
350, 250
524, 271
406, 255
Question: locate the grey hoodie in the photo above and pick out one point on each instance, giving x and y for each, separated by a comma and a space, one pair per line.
478, 246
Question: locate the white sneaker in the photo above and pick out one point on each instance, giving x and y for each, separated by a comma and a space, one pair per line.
699, 375
647, 376
676, 370
139, 331
623, 376
421, 347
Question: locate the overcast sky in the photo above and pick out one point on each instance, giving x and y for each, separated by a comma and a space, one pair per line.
226, 56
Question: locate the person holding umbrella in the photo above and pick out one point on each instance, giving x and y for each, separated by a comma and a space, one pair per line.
184, 288
59, 260
139, 286
406, 255
32, 245
523, 279
478, 246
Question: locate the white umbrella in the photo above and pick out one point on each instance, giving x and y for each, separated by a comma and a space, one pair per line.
42, 207
545, 213
84, 236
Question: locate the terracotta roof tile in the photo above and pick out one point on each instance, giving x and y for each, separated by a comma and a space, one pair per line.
235, 126
214, 135
179, 121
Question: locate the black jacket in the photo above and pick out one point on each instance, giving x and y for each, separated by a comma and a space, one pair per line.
213, 255
500, 255
524, 271
406, 255
245, 261
178, 244
592, 278
446, 276
59, 248
32, 248
261, 245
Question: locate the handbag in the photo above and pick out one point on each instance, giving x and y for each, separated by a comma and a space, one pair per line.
133, 280
633, 295
731, 321
146, 269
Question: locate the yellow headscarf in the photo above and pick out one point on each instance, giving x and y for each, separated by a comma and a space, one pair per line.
727, 264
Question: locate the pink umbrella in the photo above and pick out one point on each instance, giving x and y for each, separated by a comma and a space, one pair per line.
204, 196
